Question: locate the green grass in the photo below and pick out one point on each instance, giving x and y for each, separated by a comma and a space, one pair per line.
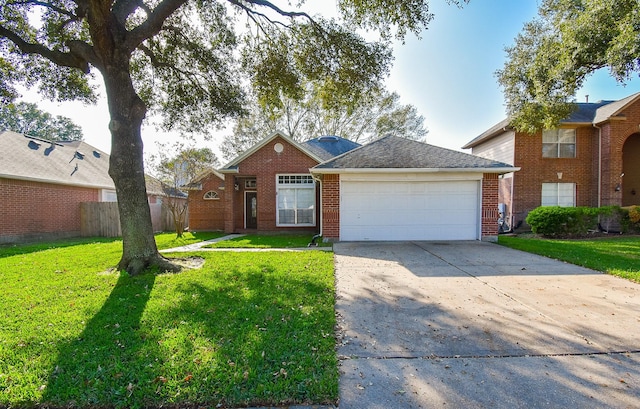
618, 256
268, 241
246, 329
169, 240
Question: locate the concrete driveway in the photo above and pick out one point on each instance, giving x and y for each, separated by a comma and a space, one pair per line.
478, 325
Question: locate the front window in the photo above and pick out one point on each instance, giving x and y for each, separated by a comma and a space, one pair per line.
559, 194
559, 143
296, 200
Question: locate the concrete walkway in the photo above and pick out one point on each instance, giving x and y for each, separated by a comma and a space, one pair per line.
477, 325
200, 246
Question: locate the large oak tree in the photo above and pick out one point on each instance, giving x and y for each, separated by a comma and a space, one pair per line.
373, 117
557, 51
188, 61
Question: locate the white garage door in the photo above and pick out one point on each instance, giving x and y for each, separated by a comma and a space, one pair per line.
416, 210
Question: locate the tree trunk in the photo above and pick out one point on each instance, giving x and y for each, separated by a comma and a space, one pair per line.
126, 168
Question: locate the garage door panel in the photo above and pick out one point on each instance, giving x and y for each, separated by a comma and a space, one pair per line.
409, 210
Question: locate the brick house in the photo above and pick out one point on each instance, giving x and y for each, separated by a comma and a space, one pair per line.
266, 189
591, 159
43, 183
389, 189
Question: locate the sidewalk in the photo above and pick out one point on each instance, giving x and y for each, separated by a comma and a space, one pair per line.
200, 246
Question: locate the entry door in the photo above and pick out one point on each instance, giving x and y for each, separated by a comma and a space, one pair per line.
251, 210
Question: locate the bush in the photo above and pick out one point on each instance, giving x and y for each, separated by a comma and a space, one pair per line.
634, 214
567, 221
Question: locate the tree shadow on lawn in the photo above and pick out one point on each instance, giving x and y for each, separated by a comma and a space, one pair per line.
248, 335
104, 364
8, 250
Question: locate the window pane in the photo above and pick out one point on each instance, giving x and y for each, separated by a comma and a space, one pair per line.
550, 136
566, 194
567, 150
549, 150
305, 216
286, 198
286, 216
567, 136
306, 198
549, 194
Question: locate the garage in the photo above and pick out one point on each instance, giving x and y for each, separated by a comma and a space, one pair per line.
396, 189
409, 210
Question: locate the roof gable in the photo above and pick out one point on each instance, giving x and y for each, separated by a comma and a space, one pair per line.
391, 152
69, 163
233, 165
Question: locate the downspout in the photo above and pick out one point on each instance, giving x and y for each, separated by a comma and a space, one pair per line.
317, 236
599, 164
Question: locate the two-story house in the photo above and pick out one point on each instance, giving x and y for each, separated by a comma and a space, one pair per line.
591, 159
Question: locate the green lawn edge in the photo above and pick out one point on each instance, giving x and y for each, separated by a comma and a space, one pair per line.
617, 255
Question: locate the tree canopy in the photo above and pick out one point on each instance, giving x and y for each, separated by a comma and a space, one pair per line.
28, 119
557, 51
188, 61
377, 115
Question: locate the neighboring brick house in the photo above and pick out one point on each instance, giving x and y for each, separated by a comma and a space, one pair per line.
390, 189
590, 160
43, 183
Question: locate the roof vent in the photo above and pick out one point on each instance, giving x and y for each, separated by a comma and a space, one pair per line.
96, 154
34, 145
79, 155
328, 138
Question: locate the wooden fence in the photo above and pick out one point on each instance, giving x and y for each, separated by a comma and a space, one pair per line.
102, 219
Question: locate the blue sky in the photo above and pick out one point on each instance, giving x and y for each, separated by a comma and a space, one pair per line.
448, 75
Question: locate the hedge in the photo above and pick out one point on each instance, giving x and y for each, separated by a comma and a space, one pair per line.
574, 221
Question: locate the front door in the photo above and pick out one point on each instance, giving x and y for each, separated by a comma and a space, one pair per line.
251, 210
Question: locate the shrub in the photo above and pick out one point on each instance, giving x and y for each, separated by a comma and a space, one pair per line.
634, 214
566, 221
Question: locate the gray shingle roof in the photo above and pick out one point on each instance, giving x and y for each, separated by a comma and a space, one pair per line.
392, 152
69, 163
585, 113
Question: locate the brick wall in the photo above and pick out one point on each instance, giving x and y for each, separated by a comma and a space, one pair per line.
536, 170
32, 210
207, 215
264, 165
489, 206
331, 206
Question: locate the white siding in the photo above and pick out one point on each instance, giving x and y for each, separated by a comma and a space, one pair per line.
500, 148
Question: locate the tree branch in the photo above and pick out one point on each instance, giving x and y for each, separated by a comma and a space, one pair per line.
269, 5
154, 23
44, 4
65, 59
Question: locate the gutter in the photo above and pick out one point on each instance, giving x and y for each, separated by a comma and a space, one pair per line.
319, 180
501, 170
599, 164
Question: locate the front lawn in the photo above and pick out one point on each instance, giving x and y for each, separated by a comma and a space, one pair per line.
618, 256
266, 241
169, 240
246, 329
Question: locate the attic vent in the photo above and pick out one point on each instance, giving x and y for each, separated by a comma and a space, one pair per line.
96, 154
328, 138
34, 145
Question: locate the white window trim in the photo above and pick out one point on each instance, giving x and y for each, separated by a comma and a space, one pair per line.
559, 143
306, 182
213, 195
